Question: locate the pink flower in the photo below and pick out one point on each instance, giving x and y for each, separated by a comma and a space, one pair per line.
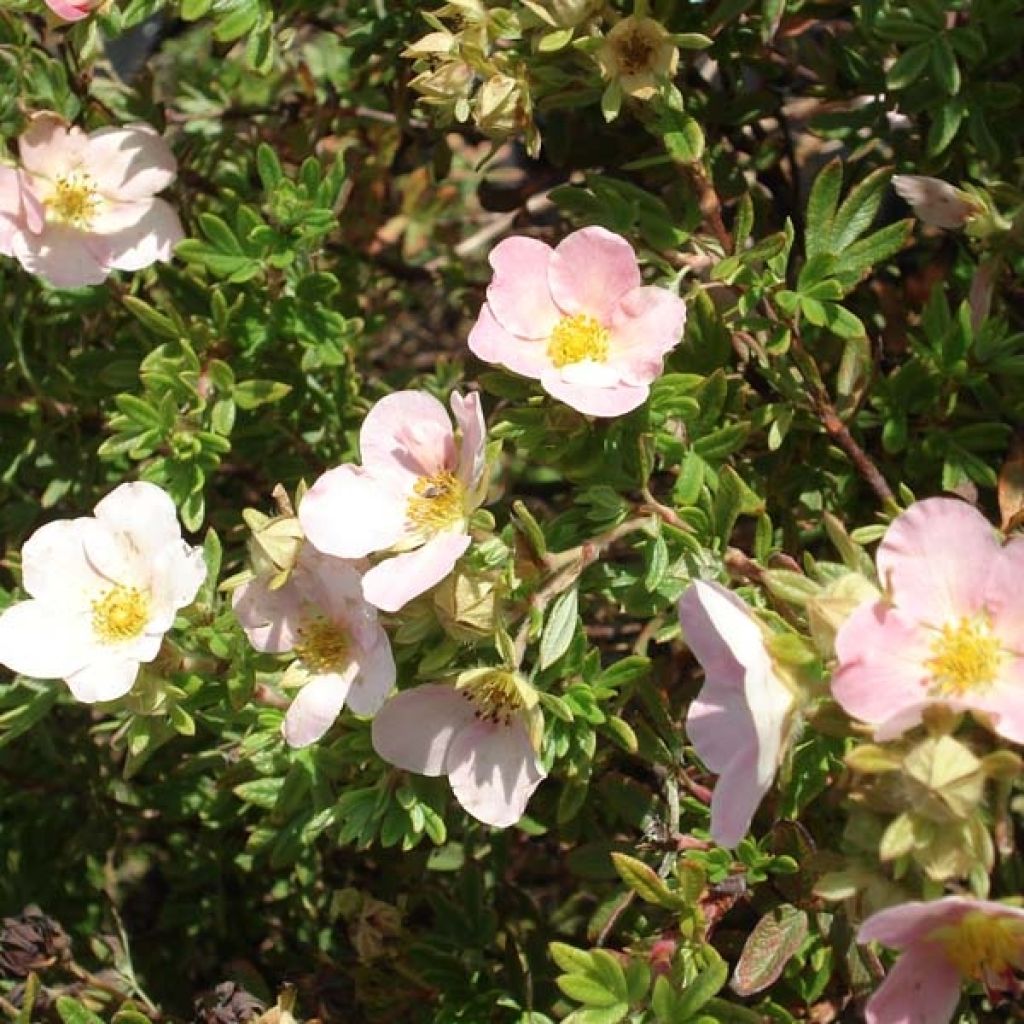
83, 205
739, 721
73, 10
482, 733
578, 319
945, 943
342, 653
412, 496
948, 630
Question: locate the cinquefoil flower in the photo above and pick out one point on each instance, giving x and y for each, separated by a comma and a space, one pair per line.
945, 943
411, 497
637, 53
948, 629
83, 205
482, 733
578, 319
103, 590
342, 654
739, 722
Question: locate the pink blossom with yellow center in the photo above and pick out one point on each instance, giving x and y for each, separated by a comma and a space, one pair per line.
945, 943
947, 630
411, 497
578, 319
81, 205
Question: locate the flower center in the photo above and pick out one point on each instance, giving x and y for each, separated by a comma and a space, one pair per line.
322, 646
74, 200
965, 656
576, 338
983, 946
634, 51
437, 501
495, 695
120, 614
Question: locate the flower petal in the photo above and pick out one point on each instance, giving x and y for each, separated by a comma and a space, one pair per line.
472, 445
143, 513
68, 10
63, 256
591, 270
376, 678
489, 341
54, 565
493, 771
348, 513
937, 558
407, 435
519, 296
316, 706
103, 678
415, 728
736, 796
42, 641
613, 401
50, 147
906, 923
140, 233
922, 988
396, 581
270, 618
647, 323
130, 162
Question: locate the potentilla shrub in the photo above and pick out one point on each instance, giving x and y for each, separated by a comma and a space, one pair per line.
511, 511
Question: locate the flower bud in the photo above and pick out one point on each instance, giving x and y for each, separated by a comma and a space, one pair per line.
32, 941
228, 1003
827, 611
466, 606
502, 106
936, 202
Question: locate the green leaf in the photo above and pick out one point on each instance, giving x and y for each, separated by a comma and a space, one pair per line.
569, 958
944, 65
859, 259
821, 209
159, 324
559, 628
585, 988
644, 881
707, 984
909, 67
73, 1012
249, 394
774, 941
858, 210
685, 142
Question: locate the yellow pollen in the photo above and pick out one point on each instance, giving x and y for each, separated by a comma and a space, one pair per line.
983, 946
965, 656
322, 646
576, 338
634, 51
495, 697
437, 501
74, 200
121, 614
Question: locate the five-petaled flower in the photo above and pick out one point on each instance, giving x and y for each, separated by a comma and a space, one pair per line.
412, 497
948, 629
578, 319
740, 721
945, 943
482, 732
638, 53
103, 590
342, 655
81, 205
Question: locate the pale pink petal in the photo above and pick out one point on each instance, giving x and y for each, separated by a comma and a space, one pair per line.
10, 208
103, 678
489, 341
937, 558
614, 401
591, 374
1003, 702
881, 678
376, 677
129, 163
518, 295
33, 212
590, 271
415, 728
647, 323
151, 239
69, 10
922, 988
347, 513
1003, 593
737, 794
54, 565
63, 256
142, 512
44, 642
469, 416
396, 581
316, 706
407, 435
908, 923
493, 771
270, 618
334, 584
49, 147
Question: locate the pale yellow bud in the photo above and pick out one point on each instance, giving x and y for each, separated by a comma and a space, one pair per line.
827, 611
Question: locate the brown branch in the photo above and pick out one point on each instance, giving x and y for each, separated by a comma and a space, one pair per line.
710, 205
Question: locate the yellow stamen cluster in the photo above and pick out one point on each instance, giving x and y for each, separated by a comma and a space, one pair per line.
983, 946
576, 338
437, 501
74, 200
965, 656
495, 696
120, 614
323, 646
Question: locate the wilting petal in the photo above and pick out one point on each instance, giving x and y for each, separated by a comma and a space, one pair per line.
937, 558
103, 678
49, 147
316, 706
407, 435
376, 677
613, 401
590, 271
493, 771
348, 514
489, 341
396, 581
63, 256
44, 642
151, 238
415, 728
130, 162
519, 295
922, 988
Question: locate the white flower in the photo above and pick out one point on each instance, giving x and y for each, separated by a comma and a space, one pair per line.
103, 590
